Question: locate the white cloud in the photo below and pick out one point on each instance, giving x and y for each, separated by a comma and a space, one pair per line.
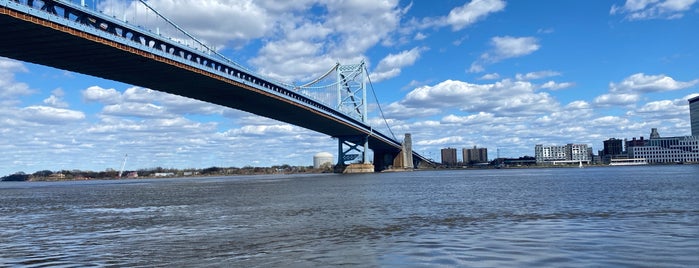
136, 109
102, 95
642, 83
314, 44
557, 86
399, 111
9, 88
663, 109
490, 76
390, 66
620, 99
56, 99
144, 102
446, 141
218, 23
50, 115
502, 98
536, 75
578, 105
472, 119
473, 11
609, 121
653, 9
629, 90
505, 47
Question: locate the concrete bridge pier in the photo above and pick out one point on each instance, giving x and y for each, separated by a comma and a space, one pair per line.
396, 160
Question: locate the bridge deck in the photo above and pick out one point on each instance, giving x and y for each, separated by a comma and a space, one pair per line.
47, 43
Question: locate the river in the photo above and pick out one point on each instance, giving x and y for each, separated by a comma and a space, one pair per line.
645, 216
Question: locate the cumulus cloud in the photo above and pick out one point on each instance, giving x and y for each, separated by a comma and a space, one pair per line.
9, 88
505, 47
578, 105
56, 99
536, 75
490, 76
556, 86
397, 110
391, 65
312, 45
472, 119
217, 23
144, 102
620, 99
472, 12
629, 90
663, 109
501, 98
102, 95
50, 115
642, 83
653, 9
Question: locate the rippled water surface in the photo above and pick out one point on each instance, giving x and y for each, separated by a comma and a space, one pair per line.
591, 217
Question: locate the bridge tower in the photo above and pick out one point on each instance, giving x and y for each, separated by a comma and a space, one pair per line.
351, 100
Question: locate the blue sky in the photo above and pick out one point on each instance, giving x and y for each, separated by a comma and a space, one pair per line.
498, 74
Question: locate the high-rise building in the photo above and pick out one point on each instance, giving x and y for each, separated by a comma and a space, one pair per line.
612, 147
475, 155
449, 156
694, 115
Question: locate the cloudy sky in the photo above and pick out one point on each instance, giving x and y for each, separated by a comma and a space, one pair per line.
505, 75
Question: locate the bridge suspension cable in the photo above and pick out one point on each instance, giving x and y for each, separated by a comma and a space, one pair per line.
308, 85
189, 35
209, 49
379, 105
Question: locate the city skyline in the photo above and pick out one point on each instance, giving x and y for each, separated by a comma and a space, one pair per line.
498, 74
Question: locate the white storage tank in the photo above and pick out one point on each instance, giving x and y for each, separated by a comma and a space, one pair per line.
321, 159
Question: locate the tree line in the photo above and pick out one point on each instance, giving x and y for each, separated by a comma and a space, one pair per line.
48, 175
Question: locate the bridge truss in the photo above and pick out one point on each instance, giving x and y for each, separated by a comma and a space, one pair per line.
343, 87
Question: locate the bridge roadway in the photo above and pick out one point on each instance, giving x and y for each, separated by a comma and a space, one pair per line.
48, 38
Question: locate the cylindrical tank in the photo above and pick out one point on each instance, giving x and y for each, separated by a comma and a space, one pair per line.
321, 159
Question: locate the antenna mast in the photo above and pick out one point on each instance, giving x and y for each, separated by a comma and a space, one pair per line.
123, 164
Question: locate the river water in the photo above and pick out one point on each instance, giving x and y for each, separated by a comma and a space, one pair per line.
592, 217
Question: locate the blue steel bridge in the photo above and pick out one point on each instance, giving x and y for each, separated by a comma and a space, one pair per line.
74, 37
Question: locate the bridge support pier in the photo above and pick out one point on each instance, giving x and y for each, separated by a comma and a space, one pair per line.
351, 148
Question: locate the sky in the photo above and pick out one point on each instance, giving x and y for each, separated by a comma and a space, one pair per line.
503, 75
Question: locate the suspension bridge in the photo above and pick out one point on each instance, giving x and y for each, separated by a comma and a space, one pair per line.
72, 36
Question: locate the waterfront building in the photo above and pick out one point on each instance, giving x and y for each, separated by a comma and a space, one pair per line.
563, 154
635, 143
660, 150
449, 156
694, 115
612, 147
475, 155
